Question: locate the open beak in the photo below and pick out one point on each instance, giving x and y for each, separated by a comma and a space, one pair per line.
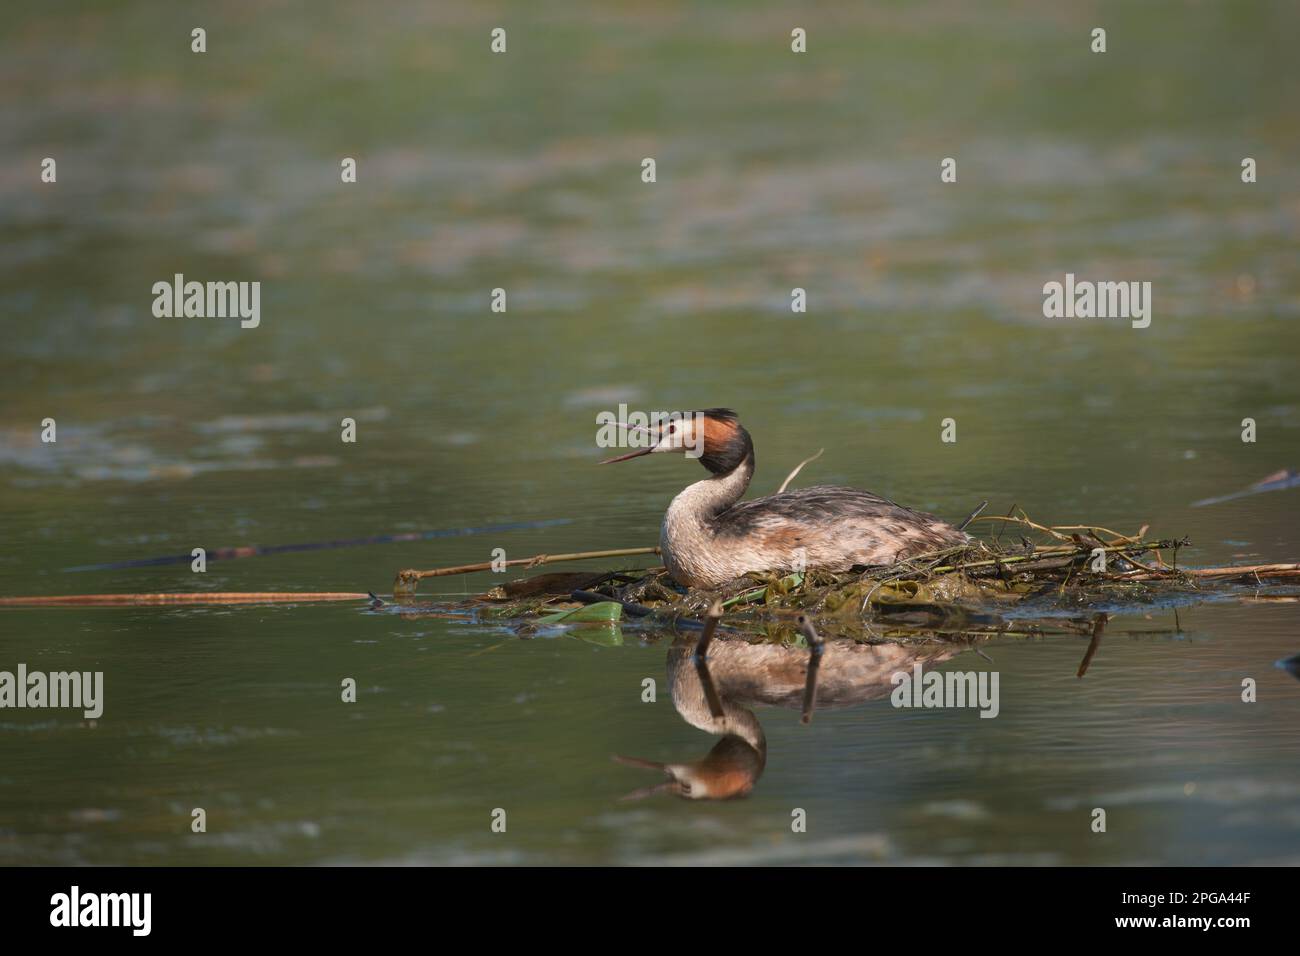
635, 454
668, 786
641, 429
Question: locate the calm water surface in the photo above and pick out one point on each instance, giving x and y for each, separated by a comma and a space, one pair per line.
522, 172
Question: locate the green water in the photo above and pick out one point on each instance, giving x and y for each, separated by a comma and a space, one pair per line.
522, 171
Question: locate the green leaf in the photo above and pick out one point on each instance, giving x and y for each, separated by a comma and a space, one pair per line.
602, 612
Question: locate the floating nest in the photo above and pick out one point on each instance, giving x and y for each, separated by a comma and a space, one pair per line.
1023, 571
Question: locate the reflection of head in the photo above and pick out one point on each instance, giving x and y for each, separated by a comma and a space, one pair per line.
729, 770
774, 675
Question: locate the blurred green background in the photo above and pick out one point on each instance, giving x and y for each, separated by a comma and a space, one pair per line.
522, 171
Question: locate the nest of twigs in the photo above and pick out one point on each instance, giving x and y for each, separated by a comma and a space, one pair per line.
1021, 565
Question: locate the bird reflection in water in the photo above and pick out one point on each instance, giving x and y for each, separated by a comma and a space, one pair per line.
715, 683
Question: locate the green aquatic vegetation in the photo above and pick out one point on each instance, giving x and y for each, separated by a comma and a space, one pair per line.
603, 612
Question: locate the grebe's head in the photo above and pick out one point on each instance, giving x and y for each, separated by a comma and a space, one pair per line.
713, 435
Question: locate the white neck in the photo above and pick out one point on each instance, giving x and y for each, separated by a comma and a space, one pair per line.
701, 502
689, 527
691, 702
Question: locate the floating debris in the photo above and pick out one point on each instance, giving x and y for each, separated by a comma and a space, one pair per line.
182, 597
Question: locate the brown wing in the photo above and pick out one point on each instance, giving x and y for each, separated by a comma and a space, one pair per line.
864, 527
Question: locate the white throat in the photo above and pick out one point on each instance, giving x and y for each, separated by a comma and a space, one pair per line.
689, 528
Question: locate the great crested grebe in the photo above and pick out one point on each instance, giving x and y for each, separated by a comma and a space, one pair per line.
710, 536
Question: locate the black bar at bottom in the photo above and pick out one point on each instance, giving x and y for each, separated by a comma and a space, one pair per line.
542, 906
